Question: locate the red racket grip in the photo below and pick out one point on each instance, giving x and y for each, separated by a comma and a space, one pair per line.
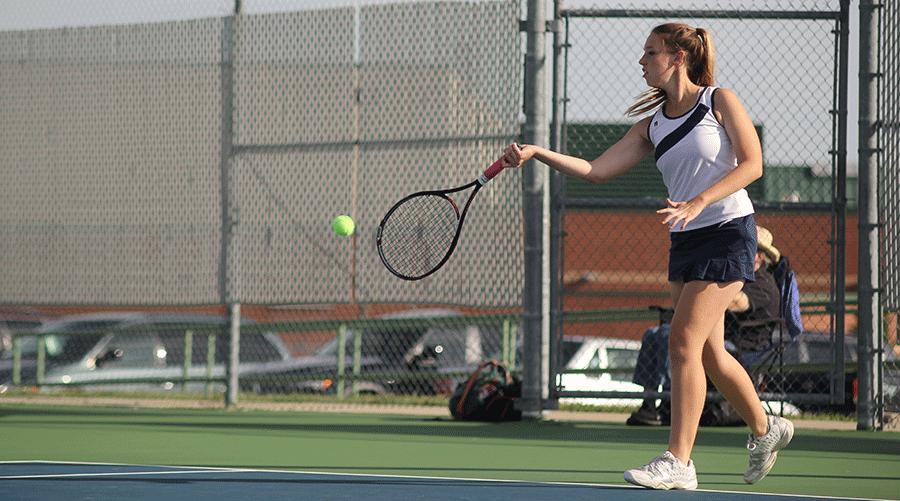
491, 172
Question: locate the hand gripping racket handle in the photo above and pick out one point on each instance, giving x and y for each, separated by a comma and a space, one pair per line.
491, 172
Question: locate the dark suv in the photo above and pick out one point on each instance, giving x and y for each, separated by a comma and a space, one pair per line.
402, 359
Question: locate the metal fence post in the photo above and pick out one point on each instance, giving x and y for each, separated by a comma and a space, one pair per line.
839, 211
535, 208
341, 361
231, 364
227, 217
186, 363
557, 197
357, 356
210, 360
869, 295
17, 361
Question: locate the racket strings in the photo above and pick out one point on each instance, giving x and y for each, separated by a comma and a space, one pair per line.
418, 234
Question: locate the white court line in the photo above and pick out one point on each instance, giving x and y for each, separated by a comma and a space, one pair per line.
198, 469
533, 482
181, 470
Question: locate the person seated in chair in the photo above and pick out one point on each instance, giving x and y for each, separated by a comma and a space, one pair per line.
759, 300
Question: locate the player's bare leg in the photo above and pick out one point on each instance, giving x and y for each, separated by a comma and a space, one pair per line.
699, 308
732, 381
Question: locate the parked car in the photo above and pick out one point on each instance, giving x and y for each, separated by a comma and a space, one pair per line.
604, 365
808, 362
136, 351
423, 359
585, 353
14, 320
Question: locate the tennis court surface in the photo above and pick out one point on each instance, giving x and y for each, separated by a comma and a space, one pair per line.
81, 452
42, 481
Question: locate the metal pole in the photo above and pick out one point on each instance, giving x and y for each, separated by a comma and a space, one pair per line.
228, 212
869, 294
838, 305
535, 342
226, 151
557, 193
231, 365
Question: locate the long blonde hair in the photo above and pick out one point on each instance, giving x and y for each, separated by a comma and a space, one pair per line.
698, 48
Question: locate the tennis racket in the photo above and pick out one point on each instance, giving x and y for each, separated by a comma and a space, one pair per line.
419, 233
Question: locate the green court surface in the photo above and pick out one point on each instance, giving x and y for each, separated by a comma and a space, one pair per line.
832, 464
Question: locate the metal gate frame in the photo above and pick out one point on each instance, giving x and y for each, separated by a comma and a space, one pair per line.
559, 204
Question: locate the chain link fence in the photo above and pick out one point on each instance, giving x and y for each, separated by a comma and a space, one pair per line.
170, 166
422, 352
160, 167
782, 62
888, 161
348, 110
202, 161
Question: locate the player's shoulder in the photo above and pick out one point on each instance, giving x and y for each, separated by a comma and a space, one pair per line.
726, 104
642, 127
724, 98
644, 121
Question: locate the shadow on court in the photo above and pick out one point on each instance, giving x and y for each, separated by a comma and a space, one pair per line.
575, 432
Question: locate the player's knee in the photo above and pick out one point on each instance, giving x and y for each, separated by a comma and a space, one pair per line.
681, 353
718, 360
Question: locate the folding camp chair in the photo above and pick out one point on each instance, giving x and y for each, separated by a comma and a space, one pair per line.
764, 365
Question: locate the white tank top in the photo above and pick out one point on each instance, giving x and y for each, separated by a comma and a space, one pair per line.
693, 152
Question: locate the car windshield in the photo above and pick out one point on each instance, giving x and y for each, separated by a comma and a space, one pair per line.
254, 346
569, 348
389, 344
622, 358
460, 345
70, 347
21, 325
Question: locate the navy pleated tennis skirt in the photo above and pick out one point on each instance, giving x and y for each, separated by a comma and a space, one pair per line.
723, 252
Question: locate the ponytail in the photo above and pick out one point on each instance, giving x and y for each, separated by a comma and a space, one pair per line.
703, 64
648, 101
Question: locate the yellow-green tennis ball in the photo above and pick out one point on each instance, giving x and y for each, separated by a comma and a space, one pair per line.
343, 225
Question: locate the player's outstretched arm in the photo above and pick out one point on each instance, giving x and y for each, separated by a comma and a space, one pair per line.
618, 159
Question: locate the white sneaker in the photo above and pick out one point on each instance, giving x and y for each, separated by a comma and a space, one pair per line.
764, 450
664, 472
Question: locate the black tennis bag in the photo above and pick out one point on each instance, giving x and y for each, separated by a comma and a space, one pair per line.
488, 395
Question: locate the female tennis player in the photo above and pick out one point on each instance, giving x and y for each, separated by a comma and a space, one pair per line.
707, 150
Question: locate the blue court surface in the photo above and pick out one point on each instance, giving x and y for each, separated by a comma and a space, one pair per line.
39, 480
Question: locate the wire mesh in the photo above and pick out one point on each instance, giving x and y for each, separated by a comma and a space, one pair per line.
388, 103
172, 161
889, 151
202, 161
888, 161
106, 130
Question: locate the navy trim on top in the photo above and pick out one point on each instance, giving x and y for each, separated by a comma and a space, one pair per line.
679, 133
699, 98
712, 104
